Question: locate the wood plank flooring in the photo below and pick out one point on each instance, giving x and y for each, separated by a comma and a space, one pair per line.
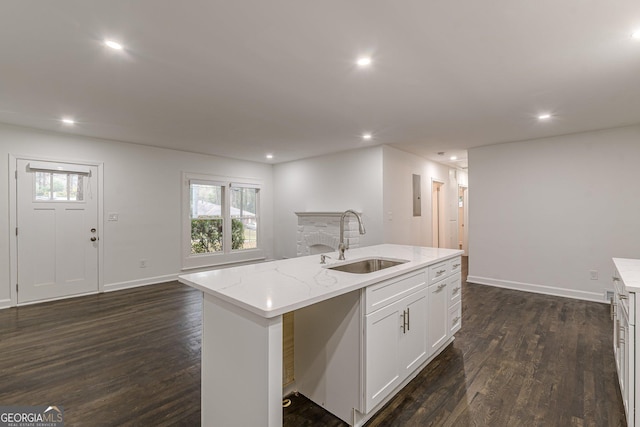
132, 358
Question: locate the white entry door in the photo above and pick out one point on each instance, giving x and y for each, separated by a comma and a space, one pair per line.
57, 219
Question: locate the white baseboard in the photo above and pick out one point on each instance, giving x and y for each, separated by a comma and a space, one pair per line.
6, 303
140, 282
539, 289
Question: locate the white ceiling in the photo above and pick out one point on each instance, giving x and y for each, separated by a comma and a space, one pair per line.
246, 78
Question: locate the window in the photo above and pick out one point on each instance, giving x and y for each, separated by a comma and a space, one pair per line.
221, 221
244, 223
58, 187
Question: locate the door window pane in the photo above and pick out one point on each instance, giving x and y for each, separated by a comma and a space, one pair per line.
207, 223
62, 187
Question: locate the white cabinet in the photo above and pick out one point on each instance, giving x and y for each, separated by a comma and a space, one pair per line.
623, 315
376, 339
395, 345
413, 340
445, 307
408, 320
438, 315
454, 292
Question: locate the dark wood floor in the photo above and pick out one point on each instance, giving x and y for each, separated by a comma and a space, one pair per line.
133, 358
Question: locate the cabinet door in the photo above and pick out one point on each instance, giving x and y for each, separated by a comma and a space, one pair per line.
382, 353
437, 322
413, 339
623, 361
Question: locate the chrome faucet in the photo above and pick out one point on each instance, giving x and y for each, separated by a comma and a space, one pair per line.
342, 247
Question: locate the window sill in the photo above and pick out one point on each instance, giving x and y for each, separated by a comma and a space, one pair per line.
214, 261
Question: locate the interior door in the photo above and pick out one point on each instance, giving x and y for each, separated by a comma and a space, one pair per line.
57, 234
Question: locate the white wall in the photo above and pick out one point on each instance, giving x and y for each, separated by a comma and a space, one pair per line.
544, 213
143, 185
376, 181
400, 226
336, 182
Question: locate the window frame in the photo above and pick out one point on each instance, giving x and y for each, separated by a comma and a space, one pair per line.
227, 255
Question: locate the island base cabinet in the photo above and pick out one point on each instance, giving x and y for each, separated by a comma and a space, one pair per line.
382, 354
455, 318
438, 325
355, 351
395, 345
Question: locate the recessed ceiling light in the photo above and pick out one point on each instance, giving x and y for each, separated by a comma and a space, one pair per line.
68, 121
364, 61
113, 45
545, 116
636, 35
269, 156
367, 136
453, 158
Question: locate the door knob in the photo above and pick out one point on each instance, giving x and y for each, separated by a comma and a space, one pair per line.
93, 239
93, 230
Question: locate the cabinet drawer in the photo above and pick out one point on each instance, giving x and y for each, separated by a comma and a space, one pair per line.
390, 291
455, 265
438, 271
455, 318
454, 287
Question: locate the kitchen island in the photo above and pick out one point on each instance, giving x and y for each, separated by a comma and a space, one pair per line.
356, 334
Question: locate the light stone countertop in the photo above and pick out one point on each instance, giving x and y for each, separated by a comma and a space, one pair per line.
273, 288
629, 270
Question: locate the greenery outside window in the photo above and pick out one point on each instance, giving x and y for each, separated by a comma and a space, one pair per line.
221, 221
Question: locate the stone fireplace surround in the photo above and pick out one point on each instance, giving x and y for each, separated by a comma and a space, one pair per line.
319, 232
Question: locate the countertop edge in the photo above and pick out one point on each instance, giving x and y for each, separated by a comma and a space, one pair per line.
622, 266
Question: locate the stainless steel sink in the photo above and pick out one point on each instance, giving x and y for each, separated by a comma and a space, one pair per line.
368, 265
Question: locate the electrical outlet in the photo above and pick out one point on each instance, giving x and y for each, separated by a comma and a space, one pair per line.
143, 263
594, 274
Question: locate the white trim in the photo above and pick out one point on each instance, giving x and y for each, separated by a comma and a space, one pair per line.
538, 289
327, 214
245, 185
227, 257
13, 212
229, 263
5, 303
110, 287
13, 239
83, 294
59, 167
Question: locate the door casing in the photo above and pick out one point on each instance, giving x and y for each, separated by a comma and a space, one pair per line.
13, 212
